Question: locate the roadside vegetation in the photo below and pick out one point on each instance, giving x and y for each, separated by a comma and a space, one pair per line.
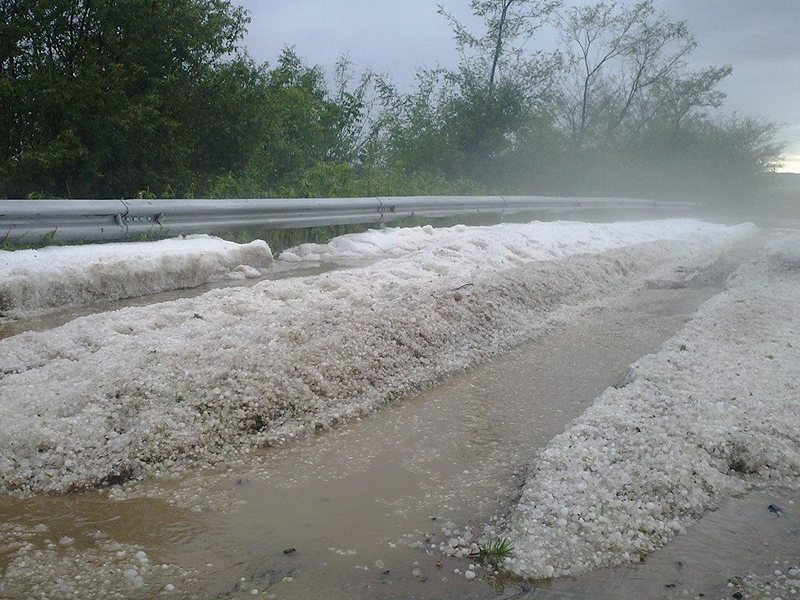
160, 99
496, 552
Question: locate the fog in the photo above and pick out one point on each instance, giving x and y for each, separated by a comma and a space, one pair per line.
758, 39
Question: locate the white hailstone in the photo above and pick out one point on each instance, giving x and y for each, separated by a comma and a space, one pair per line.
66, 541
469, 575
133, 577
466, 263
169, 588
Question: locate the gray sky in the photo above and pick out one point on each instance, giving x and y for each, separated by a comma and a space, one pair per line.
760, 38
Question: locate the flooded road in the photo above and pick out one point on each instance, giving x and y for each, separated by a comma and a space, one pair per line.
359, 512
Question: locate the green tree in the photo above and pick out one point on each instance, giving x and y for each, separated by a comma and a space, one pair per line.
104, 98
677, 99
301, 126
616, 53
461, 122
499, 50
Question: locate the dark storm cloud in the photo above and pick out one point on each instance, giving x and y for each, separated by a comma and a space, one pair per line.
762, 42
760, 39
743, 30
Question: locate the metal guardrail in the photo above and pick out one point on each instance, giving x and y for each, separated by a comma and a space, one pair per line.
28, 221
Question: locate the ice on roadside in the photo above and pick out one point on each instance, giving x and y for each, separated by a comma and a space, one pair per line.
497, 245
713, 412
147, 390
37, 281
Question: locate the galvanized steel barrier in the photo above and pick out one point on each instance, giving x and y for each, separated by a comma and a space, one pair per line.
28, 221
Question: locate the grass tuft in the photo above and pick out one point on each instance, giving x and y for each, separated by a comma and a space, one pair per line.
496, 551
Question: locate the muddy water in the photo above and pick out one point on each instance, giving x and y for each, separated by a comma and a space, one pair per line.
362, 506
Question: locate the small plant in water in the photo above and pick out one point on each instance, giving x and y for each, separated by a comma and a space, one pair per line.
496, 551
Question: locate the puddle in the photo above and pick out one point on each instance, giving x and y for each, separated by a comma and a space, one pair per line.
140, 521
361, 507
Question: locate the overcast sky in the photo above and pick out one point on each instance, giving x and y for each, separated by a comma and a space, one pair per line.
760, 38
